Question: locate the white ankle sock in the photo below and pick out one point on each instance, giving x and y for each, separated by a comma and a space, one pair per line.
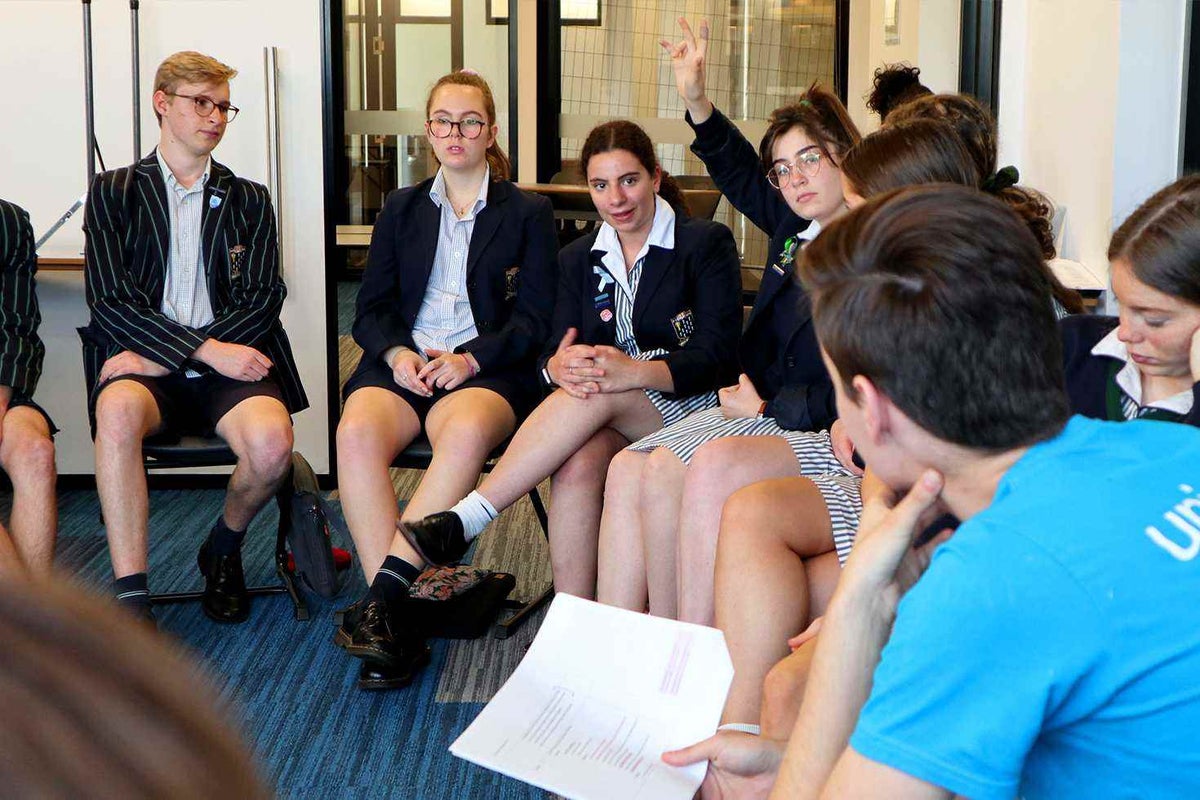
475, 512
744, 727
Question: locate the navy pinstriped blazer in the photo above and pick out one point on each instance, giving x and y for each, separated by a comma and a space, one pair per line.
21, 351
128, 245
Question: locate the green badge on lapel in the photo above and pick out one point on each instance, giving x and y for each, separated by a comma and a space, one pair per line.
787, 256
237, 257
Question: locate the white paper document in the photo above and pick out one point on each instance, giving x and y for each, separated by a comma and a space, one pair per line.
600, 695
1075, 275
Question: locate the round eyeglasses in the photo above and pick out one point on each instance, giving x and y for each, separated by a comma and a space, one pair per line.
204, 105
807, 164
469, 128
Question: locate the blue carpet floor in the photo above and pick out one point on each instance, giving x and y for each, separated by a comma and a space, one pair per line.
313, 731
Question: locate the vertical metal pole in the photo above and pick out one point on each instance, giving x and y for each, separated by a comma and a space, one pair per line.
274, 171
89, 100
137, 86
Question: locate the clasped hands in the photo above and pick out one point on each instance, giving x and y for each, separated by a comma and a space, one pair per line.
582, 370
437, 369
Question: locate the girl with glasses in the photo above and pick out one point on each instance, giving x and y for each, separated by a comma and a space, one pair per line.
664, 493
454, 307
645, 330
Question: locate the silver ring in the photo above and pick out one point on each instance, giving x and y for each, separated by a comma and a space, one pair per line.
404, 379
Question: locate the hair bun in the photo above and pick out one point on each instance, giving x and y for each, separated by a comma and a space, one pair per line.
1005, 178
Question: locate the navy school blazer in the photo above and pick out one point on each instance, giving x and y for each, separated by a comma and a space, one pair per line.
701, 275
128, 229
789, 375
510, 275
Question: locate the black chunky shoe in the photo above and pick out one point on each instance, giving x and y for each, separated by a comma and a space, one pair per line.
438, 538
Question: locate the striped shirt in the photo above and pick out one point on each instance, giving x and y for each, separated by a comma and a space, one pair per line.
185, 292
445, 320
21, 351
1129, 380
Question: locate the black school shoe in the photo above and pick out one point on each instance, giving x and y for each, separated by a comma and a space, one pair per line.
347, 620
438, 538
225, 598
389, 640
374, 676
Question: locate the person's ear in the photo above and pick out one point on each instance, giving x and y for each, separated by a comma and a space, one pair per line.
875, 407
658, 173
159, 101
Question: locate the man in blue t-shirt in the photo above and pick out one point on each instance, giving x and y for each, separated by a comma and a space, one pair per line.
1051, 646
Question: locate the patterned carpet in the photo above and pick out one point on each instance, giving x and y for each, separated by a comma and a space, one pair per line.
314, 732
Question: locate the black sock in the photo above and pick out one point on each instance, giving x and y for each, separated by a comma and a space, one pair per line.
393, 580
133, 591
223, 540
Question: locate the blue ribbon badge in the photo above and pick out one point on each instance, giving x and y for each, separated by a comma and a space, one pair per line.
605, 278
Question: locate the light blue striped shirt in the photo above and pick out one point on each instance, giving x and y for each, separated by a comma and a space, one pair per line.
444, 320
185, 290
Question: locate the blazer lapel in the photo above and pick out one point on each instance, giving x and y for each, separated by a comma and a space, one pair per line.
217, 196
655, 265
428, 220
151, 197
487, 223
772, 282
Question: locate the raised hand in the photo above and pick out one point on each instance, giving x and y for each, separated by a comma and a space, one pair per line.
687, 59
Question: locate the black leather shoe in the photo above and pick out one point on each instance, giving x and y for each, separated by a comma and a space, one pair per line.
225, 598
375, 676
438, 538
387, 639
347, 620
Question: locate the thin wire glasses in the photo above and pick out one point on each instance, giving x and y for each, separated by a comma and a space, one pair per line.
807, 164
205, 105
468, 128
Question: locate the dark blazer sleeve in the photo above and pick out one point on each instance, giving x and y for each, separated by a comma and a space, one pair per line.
525, 332
379, 323
804, 407
573, 261
709, 358
256, 295
21, 351
119, 306
735, 168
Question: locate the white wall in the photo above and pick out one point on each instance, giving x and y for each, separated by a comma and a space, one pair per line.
43, 167
868, 52
1089, 107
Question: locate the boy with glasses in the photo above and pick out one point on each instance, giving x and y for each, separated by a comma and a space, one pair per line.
184, 288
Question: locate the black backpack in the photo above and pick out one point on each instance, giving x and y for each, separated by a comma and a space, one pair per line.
310, 534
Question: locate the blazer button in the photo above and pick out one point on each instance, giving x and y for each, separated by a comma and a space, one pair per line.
471, 285
791, 362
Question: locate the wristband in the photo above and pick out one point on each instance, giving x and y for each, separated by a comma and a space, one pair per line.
546, 377
762, 410
470, 365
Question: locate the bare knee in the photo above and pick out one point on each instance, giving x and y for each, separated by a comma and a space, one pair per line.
267, 450
123, 415
28, 457
588, 463
626, 467
358, 437
746, 509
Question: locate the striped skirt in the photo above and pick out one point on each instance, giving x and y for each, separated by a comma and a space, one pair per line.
814, 460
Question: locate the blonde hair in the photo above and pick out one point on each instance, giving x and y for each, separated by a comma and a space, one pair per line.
188, 66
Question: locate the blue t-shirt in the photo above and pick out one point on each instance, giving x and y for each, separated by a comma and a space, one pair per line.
1052, 649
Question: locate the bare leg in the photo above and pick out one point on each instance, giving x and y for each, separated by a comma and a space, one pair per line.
259, 432
125, 414
576, 499
659, 515
10, 563
718, 469
375, 426
463, 427
27, 455
556, 429
762, 595
621, 579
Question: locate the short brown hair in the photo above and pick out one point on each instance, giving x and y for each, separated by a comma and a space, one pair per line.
1161, 240
821, 115
188, 66
937, 294
970, 118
